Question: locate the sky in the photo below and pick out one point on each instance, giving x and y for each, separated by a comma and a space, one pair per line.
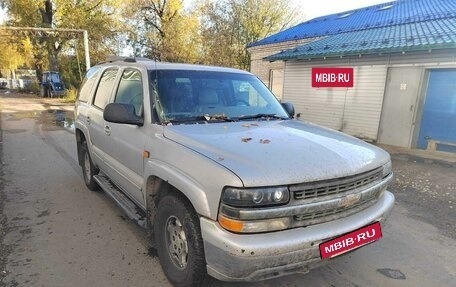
2, 15
315, 8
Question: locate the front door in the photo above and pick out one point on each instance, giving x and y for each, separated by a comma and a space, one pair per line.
125, 143
401, 93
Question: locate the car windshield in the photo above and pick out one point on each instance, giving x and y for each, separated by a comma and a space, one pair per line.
189, 96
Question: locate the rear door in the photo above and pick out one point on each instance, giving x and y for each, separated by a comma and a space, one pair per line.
95, 121
125, 143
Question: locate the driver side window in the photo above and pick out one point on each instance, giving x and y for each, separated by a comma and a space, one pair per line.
130, 90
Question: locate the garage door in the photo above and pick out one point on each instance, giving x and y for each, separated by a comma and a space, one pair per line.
355, 111
438, 123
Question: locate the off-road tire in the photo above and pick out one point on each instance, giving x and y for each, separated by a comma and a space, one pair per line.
194, 273
88, 169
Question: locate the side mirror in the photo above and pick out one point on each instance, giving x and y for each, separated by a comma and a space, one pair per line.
289, 108
122, 114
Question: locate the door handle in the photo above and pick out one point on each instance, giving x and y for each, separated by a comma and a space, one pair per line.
88, 120
107, 130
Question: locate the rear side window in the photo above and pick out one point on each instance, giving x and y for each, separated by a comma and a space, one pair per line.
105, 87
87, 84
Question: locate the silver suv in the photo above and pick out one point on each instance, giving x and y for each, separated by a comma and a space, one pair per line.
223, 177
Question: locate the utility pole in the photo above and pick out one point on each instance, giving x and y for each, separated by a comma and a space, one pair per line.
86, 49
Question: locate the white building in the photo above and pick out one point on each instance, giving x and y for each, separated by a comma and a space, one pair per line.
404, 59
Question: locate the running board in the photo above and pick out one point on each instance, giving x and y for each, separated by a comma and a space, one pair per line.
129, 207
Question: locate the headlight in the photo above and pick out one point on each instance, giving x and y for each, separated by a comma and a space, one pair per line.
387, 169
252, 197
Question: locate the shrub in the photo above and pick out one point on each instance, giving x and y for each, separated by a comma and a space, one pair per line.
70, 95
31, 87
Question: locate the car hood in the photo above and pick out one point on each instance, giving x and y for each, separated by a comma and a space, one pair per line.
265, 153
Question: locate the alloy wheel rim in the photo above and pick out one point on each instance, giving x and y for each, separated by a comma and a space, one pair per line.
176, 242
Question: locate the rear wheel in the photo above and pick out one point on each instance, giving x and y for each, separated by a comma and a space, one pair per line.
179, 242
88, 168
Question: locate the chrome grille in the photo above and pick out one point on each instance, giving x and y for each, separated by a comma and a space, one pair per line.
336, 186
328, 215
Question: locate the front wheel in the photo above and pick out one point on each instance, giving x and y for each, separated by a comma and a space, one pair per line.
88, 168
179, 242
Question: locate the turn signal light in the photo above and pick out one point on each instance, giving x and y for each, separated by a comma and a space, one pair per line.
255, 226
230, 224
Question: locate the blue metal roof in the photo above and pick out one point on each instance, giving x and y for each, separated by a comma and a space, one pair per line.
383, 15
433, 34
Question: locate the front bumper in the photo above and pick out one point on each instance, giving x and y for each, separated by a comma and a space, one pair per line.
254, 257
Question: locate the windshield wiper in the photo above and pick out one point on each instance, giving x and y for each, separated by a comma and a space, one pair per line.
214, 118
262, 116
202, 118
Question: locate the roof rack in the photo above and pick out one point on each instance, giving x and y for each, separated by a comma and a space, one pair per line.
111, 59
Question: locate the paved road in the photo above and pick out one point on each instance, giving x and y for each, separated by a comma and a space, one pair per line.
55, 232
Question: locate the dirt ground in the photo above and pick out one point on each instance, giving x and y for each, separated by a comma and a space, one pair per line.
427, 188
55, 232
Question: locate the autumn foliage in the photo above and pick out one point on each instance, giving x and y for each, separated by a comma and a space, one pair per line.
205, 31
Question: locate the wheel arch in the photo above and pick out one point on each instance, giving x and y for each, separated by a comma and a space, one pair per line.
156, 188
202, 187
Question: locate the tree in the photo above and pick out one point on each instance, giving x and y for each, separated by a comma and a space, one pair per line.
99, 17
230, 25
10, 58
212, 32
163, 30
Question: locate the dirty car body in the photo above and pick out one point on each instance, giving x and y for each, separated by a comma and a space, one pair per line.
266, 189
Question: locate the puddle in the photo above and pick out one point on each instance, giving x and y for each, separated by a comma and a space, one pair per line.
58, 118
50, 119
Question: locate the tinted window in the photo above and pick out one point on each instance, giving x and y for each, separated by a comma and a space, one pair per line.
105, 88
130, 90
87, 84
